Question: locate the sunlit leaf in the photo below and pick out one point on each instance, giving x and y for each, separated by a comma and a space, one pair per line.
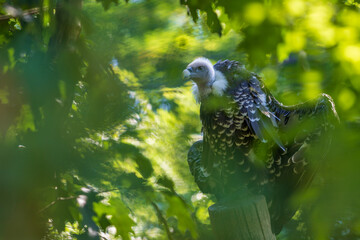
119, 216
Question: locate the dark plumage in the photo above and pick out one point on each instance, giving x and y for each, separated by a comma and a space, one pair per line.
251, 142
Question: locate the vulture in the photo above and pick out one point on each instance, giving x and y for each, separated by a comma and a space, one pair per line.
253, 143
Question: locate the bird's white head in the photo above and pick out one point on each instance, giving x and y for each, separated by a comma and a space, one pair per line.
206, 79
201, 71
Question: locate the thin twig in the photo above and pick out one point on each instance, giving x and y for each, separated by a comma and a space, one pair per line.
55, 201
73, 197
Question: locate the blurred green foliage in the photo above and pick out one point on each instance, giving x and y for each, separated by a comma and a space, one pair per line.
95, 120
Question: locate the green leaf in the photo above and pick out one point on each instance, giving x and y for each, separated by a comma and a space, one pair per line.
64, 211
103, 222
119, 216
178, 209
127, 150
106, 3
130, 181
166, 182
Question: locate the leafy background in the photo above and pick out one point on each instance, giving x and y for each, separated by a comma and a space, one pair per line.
96, 121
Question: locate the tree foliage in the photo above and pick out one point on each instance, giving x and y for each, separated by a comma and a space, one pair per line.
96, 122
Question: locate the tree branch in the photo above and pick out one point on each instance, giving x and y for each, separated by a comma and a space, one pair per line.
13, 12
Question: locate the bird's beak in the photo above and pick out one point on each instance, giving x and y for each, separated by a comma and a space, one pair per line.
187, 73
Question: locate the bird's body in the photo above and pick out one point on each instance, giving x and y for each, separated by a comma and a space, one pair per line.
251, 142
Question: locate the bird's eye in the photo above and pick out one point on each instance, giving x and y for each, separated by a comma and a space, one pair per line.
200, 68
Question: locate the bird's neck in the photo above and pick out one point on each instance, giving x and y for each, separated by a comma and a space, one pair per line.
205, 88
217, 86
201, 91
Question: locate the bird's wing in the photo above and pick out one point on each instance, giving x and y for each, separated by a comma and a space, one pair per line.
305, 129
252, 99
207, 182
196, 166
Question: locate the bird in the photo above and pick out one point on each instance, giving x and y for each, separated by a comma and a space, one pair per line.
251, 142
